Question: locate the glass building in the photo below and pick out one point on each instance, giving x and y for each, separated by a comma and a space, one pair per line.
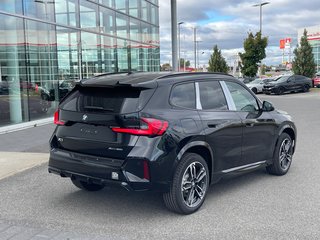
46, 45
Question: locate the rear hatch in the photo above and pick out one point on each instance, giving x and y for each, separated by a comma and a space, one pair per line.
88, 114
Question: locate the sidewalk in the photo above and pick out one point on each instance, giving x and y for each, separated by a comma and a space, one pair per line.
24, 149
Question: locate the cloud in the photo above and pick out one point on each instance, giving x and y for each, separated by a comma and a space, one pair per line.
226, 23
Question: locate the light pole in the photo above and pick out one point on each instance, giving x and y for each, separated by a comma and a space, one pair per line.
260, 5
174, 34
197, 49
179, 58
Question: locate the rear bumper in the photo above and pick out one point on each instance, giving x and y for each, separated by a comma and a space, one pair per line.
99, 170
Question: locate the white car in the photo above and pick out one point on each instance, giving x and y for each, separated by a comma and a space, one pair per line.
257, 84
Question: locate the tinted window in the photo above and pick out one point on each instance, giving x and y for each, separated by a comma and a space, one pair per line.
211, 96
104, 100
242, 98
184, 95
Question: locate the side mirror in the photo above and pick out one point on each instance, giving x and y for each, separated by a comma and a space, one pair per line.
267, 106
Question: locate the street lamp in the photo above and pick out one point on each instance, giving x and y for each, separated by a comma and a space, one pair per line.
260, 5
179, 61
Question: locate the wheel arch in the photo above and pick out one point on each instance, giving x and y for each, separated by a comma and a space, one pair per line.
288, 129
201, 148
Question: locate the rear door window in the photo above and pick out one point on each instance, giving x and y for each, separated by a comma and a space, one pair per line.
184, 95
104, 100
212, 96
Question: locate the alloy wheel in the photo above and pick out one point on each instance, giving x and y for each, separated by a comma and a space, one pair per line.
194, 184
285, 154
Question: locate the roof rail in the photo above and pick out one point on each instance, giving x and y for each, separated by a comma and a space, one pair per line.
178, 74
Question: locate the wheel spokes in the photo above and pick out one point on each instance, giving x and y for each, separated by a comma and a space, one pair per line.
194, 184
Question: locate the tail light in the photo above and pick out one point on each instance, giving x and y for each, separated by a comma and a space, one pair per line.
148, 127
56, 119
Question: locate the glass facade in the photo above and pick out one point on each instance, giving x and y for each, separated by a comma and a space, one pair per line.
46, 45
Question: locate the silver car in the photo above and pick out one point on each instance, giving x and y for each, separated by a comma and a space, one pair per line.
257, 84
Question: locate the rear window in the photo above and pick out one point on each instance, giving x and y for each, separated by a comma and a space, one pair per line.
183, 95
113, 100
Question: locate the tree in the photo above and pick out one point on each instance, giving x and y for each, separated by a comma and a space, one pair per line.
255, 51
182, 63
217, 63
303, 63
166, 67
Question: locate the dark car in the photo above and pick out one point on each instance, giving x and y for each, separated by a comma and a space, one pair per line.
293, 83
171, 132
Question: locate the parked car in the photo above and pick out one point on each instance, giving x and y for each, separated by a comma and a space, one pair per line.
171, 132
291, 83
316, 80
257, 84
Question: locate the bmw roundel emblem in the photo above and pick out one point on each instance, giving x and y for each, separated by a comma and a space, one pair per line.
84, 117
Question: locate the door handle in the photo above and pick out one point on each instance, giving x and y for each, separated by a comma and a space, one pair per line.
212, 125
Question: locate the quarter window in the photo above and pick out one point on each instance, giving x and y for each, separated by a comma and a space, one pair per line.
184, 95
242, 98
211, 96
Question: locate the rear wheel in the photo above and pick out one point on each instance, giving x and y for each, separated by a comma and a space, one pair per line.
282, 157
189, 186
91, 187
306, 88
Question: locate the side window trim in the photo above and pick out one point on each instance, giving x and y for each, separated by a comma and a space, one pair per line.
198, 101
230, 102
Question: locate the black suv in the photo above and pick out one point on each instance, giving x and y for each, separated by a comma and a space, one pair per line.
285, 84
171, 132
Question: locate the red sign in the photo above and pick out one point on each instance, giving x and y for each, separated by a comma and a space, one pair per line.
288, 40
282, 43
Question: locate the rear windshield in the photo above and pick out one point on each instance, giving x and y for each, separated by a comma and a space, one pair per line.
104, 100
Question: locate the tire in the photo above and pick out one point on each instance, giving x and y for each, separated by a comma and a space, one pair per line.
187, 192
306, 88
91, 187
280, 91
282, 158
254, 90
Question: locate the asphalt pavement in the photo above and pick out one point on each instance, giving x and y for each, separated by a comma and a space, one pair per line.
38, 205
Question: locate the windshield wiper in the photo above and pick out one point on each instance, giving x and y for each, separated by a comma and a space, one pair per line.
99, 108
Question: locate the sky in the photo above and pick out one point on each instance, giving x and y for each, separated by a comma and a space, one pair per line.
227, 23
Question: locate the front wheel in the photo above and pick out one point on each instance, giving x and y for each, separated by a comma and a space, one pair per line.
280, 90
282, 157
189, 186
91, 187
254, 90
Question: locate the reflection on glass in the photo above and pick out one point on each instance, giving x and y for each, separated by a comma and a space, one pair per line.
107, 22
108, 60
133, 8
66, 12
12, 71
12, 6
41, 9
42, 82
135, 30
145, 10
122, 53
121, 5
108, 3
122, 25
88, 15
